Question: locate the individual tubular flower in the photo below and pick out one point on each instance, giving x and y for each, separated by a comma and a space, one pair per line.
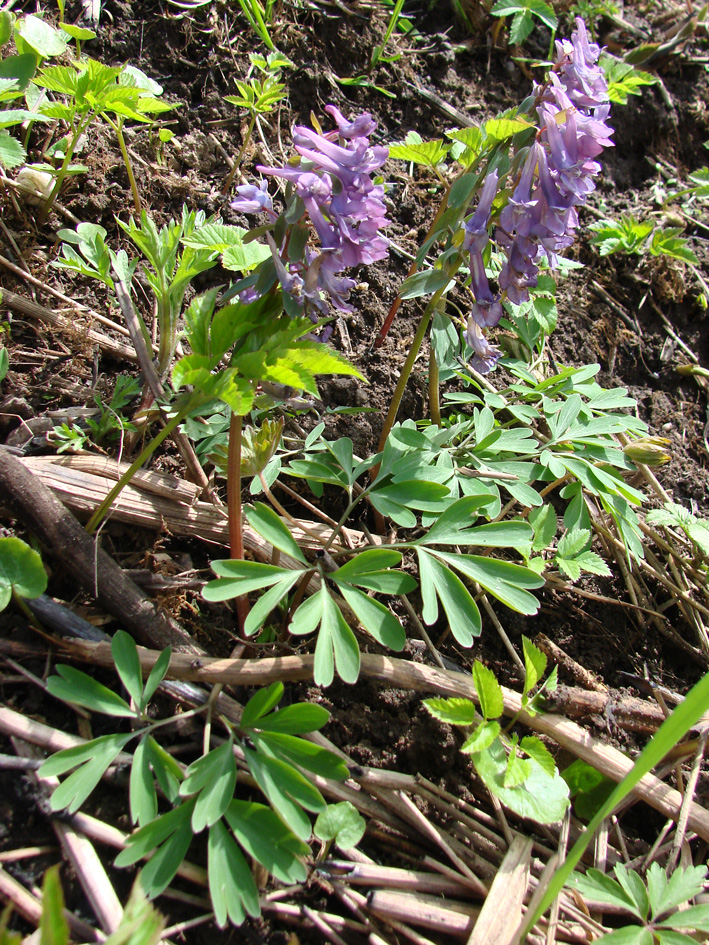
485, 355
253, 198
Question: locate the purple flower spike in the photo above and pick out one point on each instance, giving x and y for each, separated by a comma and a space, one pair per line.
361, 127
476, 235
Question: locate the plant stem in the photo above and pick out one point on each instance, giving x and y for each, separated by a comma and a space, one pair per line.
233, 502
406, 371
104, 507
81, 127
237, 162
118, 128
434, 394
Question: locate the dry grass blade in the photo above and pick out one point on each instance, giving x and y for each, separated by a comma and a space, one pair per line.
502, 911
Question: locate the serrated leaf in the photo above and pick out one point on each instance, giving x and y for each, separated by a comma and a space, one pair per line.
694, 917
535, 664
593, 563
76, 687
569, 566
539, 752
481, 739
682, 885
425, 153
21, 569
541, 798
517, 771
453, 711
502, 128
634, 888
489, 691
573, 542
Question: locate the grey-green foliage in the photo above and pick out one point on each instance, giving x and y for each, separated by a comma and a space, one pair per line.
633, 236
201, 796
520, 772
677, 516
655, 903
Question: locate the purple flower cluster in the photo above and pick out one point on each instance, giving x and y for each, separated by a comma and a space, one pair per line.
333, 179
556, 175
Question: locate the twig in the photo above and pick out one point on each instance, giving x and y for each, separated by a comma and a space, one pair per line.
687, 803
502, 911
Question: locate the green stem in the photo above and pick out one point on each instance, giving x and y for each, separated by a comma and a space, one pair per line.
407, 369
233, 502
237, 162
104, 507
63, 170
118, 128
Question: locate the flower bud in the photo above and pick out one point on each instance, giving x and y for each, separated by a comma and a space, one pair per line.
649, 450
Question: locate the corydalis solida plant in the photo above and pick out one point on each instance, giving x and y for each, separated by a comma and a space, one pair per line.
555, 176
331, 184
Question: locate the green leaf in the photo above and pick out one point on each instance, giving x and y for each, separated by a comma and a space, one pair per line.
231, 886
21, 571
157, 674
453, 711
292, 719
265, 837
53, 927
40, 37
541, 798
261, 703
425, 283
241, 577
593, 563
304, 754
666, 242
623, 79
127, 663
213, 778
694, 917
143, 799
569, 566
483, 736
597, 886
426, 153
502, 128
539, 752
439, 583
543, 521
489, 691
72, 792
141, 923
342, 823
166, 770
666, 894
517, 771
335, 638
503, 579
164, 863
535, 664
634, 888
12, 154
264, 520
71, 685
375, 618
7, 21
522, 25
77, 32
574, 542
629, 935
287, 790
